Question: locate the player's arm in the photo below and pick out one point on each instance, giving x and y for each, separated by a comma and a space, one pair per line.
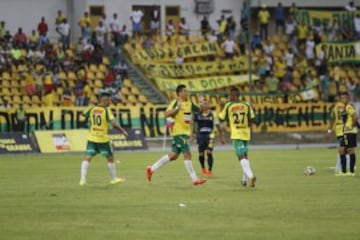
117, 127
173, 109
331, 123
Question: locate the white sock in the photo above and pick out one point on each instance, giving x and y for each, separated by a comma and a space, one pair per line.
161, 162
84, 169
112, 170
245, 164
189, 167
338, 164
244, 178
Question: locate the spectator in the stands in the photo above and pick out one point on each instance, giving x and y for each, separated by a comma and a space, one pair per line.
357, 25
64, 31
302, 33
334, 30
136, 18
279, 17
100, 32
184, 28
179, 58
264, 19
2, 29
59, 19
256, 41
86, 32
205, 26
155, 22
84, 20
229, 47
170, 28
123, 69
222, 27
33, 39
124, 35
115, 30
20, 39
48, 99
230, 27
290, 27
350, 7
293, 10
42, 27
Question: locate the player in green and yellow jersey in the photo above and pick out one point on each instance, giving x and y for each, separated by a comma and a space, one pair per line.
239, 115
181, 110
98, 140
344, 118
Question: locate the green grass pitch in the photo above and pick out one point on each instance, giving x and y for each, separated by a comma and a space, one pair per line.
40, 199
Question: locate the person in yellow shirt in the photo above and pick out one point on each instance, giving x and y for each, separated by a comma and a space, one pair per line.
98, 140
33, 39
84, 21
239, 116
302, 32
344, 119
48, 99
264, 18
182, 111
59, 18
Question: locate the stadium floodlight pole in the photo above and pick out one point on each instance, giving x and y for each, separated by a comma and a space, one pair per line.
248, 12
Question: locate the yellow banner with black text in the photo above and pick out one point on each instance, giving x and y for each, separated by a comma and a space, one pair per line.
203, 83
172, 70
168, 54
340, 52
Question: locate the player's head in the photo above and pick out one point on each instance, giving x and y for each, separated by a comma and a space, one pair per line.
344, 97
182, 92
234, 94
105, 99
204, 104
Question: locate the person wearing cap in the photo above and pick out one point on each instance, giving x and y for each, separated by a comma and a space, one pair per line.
98, 140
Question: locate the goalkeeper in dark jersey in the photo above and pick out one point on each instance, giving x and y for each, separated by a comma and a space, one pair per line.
205, 122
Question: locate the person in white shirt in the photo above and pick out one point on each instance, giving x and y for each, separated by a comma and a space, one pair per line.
155, 21
289, 60
290, 27
115, 29
184, 28
64, 31
170, 28
350, 7
136, 17
100, 32
268, 47
310, 46
179, 59
357, 25
229, 47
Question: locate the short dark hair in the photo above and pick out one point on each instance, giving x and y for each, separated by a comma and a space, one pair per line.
179, 88
236, 90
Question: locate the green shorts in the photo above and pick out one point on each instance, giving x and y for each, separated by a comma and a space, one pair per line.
241, 147
94, 148
180, 144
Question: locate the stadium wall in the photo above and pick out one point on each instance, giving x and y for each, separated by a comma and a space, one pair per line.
27, 14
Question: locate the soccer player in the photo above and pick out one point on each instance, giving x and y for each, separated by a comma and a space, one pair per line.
98, 139
239, 115
345, 118
181, 110
205, 122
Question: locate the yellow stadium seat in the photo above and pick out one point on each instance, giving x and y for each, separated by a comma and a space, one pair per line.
135, 91
35, 99
127, 83
5, 91
26, 99
143, 99
132, 99
5, 83
59, 91
93, 68
16, 99
72, 75
103, 68
15, 76
106, 61
14, 83
6, 76
62, 76
125, 92
100, 75
15, 91
98, 83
